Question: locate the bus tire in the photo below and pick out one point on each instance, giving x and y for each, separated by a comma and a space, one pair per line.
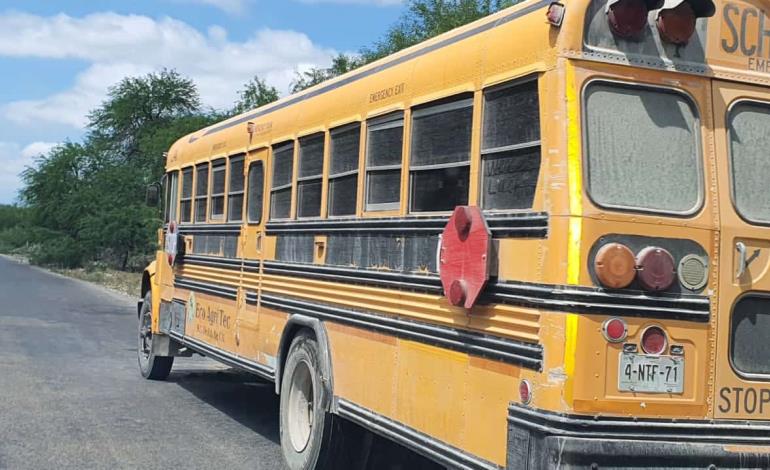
306, 425
152, 367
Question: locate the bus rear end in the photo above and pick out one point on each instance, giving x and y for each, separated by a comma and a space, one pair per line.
666, 365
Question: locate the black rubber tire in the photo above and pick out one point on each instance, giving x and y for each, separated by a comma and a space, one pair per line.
151, 367
324, 448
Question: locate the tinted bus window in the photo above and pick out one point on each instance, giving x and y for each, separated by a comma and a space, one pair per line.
218, 169
642, 147
384, 148
440, 155
256, 192
510, 146
187, 194
201, 191
749, 124
280, 193
172, 195
311, 160
343, 170
235, 190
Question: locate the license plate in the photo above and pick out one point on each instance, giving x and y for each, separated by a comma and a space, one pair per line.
651, 374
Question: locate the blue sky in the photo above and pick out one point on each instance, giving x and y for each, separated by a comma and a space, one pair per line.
57, 58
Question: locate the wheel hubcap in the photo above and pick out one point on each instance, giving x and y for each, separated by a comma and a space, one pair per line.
300, 407
145, 335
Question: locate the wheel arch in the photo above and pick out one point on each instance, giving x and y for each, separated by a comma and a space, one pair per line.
149, 285
295, 325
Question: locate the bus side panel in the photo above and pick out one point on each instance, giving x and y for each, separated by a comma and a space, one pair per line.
450, 396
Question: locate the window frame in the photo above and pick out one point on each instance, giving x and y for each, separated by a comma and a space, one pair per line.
228, 190
426, 109
729, 129
283, 187
172, 179
586, 171
493, 152
217, 165
248, 219
205, 196
334, 176
191, 199
383, 122
302, 180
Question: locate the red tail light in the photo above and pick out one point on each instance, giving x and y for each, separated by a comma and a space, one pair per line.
654, 340
656, 270
615, 330
627, 18
525, 392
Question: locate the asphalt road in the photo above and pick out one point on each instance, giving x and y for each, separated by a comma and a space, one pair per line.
71, 395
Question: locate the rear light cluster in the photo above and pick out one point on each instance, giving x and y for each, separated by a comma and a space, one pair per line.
653, 341
675, 19
616, 267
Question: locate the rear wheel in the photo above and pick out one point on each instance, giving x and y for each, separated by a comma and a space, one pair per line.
151, 366
307, 427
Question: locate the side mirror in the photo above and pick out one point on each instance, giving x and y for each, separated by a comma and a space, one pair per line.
153, 195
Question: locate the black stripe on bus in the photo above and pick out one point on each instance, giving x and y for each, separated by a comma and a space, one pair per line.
218, 290
355, 76
589, 300
417, 441
526, 225
430, 284
562, 298
225, 357
217, 229
478, 344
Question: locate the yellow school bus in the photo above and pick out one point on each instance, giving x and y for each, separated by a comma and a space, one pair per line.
537, 241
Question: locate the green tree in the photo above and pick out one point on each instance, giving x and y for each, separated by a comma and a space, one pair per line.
254, 94
136, 105
342, 63
424, 19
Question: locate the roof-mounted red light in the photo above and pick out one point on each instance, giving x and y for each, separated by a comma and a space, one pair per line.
676, 19
627, 18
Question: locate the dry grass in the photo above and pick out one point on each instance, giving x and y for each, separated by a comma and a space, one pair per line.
127, 283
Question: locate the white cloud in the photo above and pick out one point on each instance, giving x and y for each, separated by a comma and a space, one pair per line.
116, 46
228, 6
12, 163
36, 149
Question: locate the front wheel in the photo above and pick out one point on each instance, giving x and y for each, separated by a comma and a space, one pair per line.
151, 366
306, 424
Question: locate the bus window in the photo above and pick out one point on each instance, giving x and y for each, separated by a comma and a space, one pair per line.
172, 195
384, 149
311, 164
201, 191
235, 190
256, 192
642, 146
749, 143
218, 169
510, 146
343, 170
187, 190
280, 193
440, 155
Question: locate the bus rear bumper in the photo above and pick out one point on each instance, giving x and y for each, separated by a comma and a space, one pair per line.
543, 440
